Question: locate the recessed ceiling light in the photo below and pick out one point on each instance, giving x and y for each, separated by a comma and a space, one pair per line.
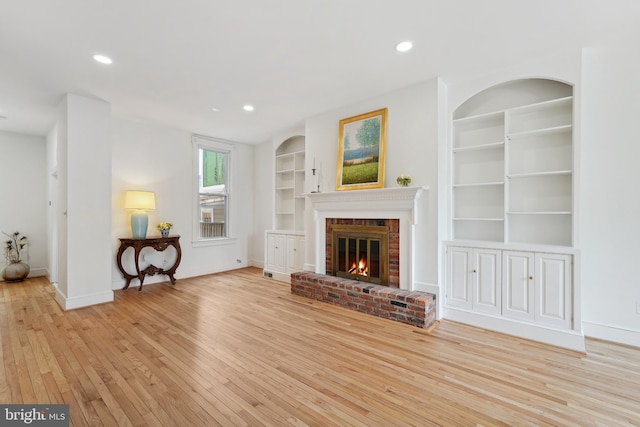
103, 59
215, 110
404, 46
248, 108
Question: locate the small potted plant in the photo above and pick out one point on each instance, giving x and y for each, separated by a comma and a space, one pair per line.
403, 180
164, 228
16, 270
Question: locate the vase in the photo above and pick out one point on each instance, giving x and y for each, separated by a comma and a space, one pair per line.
165, 233
16, 272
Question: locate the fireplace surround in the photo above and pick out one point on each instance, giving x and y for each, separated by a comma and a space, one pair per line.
399, 203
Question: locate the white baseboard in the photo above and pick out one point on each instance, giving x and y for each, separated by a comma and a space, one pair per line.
82, 301
180, 274
280, 277
256, 263
611, 333
33, 272
566, 339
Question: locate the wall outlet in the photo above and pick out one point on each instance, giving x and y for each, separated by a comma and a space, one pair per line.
638, 306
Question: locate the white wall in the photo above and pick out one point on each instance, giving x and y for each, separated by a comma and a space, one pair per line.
154, 158
411, 148
610, 202
84, 205
263, 193
23, 195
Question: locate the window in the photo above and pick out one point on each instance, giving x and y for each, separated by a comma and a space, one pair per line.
212, 161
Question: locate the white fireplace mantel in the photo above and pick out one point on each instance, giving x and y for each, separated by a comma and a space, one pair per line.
400, 203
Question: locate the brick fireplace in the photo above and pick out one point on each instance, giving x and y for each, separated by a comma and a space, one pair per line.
366, 250
391, 295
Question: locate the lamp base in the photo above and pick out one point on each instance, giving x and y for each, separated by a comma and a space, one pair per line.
139, 224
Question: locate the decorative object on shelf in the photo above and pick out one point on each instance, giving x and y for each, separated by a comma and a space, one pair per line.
16, 269
313, 172
140, 202
361, 150
403, 180
164, 228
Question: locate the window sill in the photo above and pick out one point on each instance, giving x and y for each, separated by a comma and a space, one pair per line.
218, 241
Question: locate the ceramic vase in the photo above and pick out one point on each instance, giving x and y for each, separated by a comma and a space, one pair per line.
16, 272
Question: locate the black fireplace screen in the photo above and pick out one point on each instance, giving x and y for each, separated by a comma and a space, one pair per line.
361, 253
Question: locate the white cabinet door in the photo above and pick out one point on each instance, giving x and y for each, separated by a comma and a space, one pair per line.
518, 285
487, 281
298, 257
275, 252
295, 253
459, 269
553, 301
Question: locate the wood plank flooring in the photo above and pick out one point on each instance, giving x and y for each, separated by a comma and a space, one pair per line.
235, 349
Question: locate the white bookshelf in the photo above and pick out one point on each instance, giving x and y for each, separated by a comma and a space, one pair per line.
512, 172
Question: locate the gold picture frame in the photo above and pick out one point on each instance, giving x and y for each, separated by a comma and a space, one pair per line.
361, 151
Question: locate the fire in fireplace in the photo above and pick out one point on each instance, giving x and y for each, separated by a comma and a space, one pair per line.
361, 252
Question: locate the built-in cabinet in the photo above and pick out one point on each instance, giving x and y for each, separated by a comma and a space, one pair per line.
284, 245
284, 254
534, 287
510, 260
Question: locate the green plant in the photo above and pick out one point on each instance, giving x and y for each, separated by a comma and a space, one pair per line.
13, 247
403, 180
164, 226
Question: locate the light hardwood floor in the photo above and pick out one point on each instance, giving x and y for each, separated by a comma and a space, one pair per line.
237, 349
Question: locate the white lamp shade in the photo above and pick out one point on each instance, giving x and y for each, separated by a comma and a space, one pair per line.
140, 200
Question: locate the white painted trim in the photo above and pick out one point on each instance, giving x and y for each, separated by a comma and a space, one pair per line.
280, 277
184, 274
612, 333
33, 272
256, 263
82, 301
566, 339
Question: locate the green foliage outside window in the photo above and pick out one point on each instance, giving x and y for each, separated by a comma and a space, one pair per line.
213, 168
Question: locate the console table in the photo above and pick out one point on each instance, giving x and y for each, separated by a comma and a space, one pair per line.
157, 243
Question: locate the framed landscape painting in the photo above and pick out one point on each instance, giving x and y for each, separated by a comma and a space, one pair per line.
361, 148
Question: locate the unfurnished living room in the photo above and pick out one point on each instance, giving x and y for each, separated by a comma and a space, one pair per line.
319, 213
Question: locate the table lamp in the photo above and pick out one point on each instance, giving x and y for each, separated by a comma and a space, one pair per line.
140, 202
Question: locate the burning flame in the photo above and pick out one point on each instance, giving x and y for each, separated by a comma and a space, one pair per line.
361, 269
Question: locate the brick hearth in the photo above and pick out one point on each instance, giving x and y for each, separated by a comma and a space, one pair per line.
412, 307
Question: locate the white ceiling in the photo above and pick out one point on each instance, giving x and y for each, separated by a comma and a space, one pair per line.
176, 60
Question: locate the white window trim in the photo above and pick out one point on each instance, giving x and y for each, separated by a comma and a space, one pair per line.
208, 143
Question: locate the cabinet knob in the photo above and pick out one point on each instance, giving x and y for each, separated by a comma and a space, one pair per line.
474, 270
530, 277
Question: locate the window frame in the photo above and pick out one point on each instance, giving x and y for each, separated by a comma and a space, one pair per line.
212, 144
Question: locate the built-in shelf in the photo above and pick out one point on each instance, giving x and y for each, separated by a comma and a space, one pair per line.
517, 159
478, 219
539, 213
478, 184
290, 185
540, 132
535, 174
489, 146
